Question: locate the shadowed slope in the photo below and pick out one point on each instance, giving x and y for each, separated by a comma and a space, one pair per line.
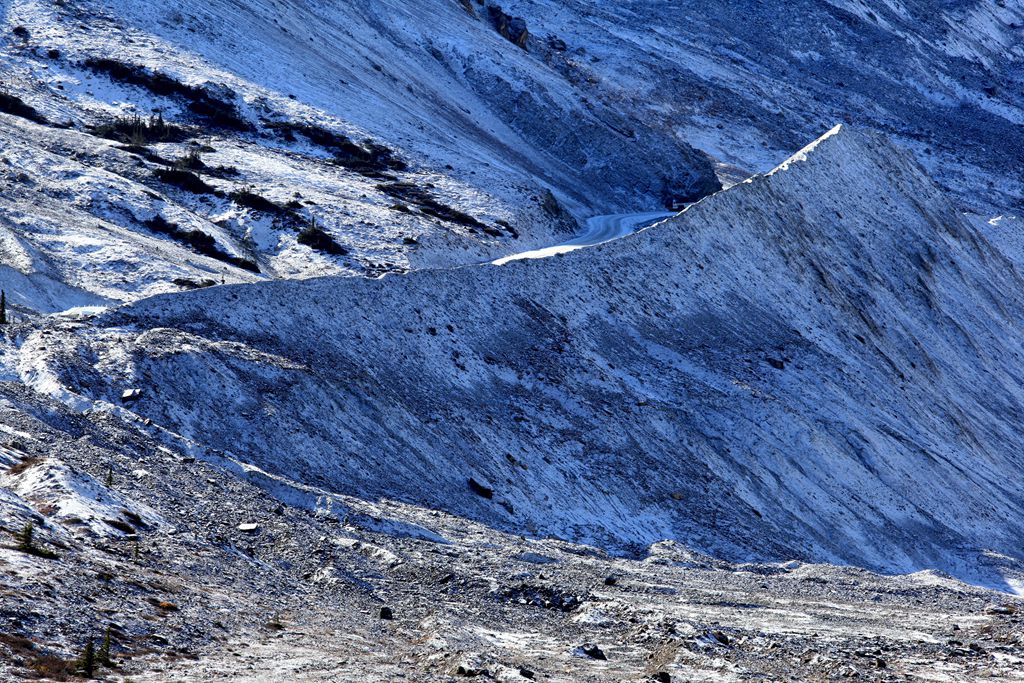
819, 363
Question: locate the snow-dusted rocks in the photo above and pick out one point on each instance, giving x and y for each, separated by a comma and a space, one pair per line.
78, 503
131, 395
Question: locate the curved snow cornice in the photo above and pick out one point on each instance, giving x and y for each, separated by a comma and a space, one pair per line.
809, 149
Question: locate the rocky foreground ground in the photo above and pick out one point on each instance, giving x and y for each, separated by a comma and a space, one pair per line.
220, 581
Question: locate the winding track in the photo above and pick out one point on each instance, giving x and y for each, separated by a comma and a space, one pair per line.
599, 229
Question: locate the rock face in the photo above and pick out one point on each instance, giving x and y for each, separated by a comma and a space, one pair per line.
511, 28
815, 363
455, 88
940, 78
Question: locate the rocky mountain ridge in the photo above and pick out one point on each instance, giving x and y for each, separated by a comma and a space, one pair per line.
735, 365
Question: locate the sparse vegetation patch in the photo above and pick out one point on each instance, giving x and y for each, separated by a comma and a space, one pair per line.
36, 663
138, 131
27, 543
425, 202
198, 241
186, 180
192, 160
213, 110
250, 199
15, 106
367, 158
314, 237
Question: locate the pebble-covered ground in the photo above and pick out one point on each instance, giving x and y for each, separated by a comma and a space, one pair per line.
227, 583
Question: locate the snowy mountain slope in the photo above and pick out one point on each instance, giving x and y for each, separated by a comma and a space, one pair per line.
596, 103
71, 231
745, 81
818, 362
252, 457
402, 163
438, 69
274, 413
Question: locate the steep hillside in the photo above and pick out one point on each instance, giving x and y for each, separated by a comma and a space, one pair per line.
427, 134
200, 575
402, 154
821, 357
747, 81
440, 79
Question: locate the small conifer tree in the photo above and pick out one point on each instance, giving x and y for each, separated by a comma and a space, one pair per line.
3, 307
110, 476
25, 538
87, 663
104, 653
